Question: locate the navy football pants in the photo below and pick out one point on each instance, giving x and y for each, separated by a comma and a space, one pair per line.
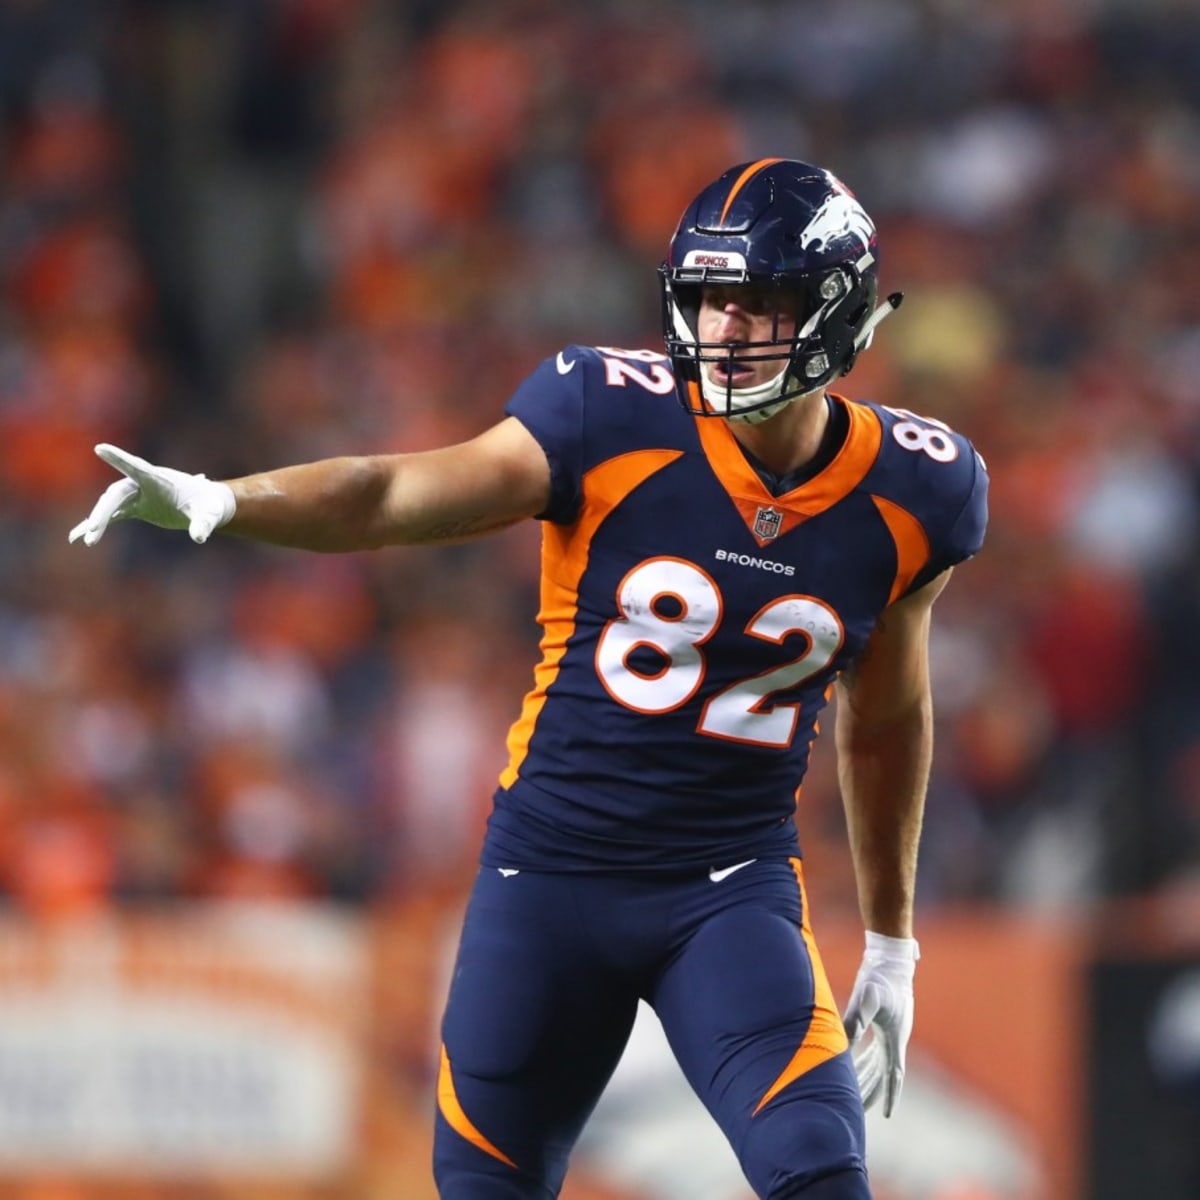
549, 972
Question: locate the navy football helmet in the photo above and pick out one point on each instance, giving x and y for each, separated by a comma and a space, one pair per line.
796, 231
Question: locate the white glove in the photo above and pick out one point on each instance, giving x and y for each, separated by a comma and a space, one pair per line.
882, 1004
160, 495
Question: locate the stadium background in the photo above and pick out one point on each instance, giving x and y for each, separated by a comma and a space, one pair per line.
241, 789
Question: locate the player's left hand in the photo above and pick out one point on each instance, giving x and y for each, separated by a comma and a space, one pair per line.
879, 1017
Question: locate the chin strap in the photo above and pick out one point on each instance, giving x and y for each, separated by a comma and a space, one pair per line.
885, 309
757, 416
723, 399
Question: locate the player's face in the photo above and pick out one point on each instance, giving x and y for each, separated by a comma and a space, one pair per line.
737, 314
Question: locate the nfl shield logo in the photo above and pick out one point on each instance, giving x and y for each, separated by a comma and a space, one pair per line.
767, 523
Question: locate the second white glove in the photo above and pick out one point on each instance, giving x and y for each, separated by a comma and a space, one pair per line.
879, 1017
160, 495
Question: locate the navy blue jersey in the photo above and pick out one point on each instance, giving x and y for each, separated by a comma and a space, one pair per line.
693, 622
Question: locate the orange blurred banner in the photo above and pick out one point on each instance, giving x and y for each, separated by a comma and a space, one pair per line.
288, 1053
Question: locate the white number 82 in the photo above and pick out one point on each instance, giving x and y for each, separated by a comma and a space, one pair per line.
672, 607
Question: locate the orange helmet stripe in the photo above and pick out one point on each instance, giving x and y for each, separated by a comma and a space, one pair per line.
743, 179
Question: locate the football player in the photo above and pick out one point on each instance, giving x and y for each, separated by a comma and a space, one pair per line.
725, 540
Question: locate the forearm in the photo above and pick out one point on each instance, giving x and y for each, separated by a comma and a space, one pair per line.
451, 494
335, 504
883, 769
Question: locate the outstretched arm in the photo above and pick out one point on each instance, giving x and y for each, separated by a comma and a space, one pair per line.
336, 504
444, 495
884, 738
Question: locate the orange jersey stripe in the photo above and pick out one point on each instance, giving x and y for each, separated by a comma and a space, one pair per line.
564, 560
912, 543
743, 179
458, 1120
826, 1035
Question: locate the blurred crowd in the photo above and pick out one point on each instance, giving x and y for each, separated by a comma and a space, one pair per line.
240, 233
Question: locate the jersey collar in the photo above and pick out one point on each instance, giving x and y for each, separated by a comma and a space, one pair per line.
767, 516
